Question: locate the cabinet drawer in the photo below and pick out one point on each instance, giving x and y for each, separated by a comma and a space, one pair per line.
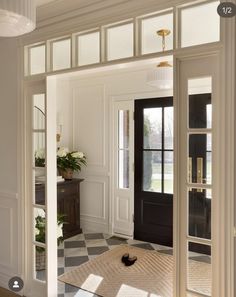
67, 190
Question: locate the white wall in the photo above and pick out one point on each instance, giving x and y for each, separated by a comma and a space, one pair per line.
9, 200
86, 102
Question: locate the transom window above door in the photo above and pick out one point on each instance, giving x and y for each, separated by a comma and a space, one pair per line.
126, 39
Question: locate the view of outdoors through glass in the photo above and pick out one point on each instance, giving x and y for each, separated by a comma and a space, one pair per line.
158, 150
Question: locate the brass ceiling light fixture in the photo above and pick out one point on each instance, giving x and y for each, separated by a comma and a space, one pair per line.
162, 76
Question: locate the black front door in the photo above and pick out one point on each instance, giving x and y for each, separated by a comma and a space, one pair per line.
153, 206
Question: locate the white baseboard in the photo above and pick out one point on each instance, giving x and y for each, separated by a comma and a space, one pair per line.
91, 226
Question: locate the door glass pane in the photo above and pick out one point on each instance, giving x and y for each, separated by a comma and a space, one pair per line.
152, 130
200, 24
168, 172
39, 111
123, 169
123, 129
199, 268
151, 42
37, 59
152, 171
39, 148
39, 225
199, 213
39, 186
168, 128
120, 42
39, 263
88, 48
61, 54
199, 161
200, 111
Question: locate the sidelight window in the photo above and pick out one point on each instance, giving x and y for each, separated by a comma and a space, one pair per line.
123, 147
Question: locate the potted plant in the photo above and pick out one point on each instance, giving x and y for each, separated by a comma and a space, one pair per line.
68, 162
40, 236
40, 157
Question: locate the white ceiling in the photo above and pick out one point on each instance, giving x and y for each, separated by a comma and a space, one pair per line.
42, 2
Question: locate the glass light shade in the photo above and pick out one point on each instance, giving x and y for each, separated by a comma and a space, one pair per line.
17, 17
161, 77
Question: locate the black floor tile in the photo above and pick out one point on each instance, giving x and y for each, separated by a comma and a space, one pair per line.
97, 250
145, 246
74, 244
69, 288
116, 240
60, 270
94, 236
75, 261
60, 253
204, 259
167, 252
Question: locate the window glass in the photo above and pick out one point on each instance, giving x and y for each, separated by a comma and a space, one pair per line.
37, 59
120, 42
152, 130
200, 24
168, 127
152, 171
123, 148
39, 111
39, 223
200, 109
199, 203
61, 54
151, 42
40, 263
123, 169
168, 172
123, 129
200, 152
199, 269
88, 48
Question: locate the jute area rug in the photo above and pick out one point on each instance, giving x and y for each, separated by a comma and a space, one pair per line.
150, 276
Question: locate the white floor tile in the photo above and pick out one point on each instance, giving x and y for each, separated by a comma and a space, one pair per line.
95, 242
80, 251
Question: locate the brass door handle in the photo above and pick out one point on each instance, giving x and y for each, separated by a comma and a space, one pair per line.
199, 172
190, 170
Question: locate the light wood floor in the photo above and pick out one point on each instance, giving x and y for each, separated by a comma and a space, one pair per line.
6, 293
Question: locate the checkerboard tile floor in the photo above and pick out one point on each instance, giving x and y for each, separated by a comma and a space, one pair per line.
83, 247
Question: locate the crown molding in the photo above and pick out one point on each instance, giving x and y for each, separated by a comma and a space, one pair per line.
65, 17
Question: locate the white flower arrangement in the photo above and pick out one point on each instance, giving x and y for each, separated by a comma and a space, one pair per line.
66, 159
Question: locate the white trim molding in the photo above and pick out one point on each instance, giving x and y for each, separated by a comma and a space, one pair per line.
228, 93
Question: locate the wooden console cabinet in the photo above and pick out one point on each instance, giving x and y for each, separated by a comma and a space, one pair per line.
68, 203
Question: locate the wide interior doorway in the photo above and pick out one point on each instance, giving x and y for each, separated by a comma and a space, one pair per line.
112, 190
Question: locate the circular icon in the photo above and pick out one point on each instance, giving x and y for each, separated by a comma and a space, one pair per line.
16, 284
226, 9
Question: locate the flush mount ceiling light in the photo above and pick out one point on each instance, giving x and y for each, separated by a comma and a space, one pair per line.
17, 17
162, 76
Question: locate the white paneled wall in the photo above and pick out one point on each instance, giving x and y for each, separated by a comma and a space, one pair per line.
90, 125
86, 103
90, 135
10, 212
9, 236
